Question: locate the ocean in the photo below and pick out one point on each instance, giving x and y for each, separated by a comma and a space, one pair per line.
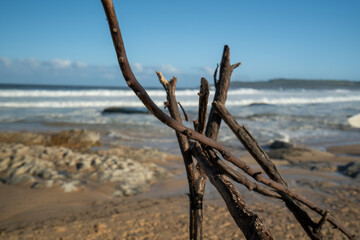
301, 115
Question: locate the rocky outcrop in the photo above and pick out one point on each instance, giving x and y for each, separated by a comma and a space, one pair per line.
75, 138
42, 166
26, 138
351, 169
140, 154
299, 154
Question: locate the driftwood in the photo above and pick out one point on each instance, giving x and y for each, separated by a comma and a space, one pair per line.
249, 222
205, 148
249, 142
196, 178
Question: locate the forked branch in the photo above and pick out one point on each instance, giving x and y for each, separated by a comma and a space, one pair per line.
196, 178
157, 112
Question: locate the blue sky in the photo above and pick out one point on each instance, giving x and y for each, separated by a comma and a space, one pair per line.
68, 42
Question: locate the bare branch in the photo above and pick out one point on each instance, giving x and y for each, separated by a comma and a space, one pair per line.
249, 142
249, 222
157, 112
222, 86
162, 80
322, 221
184, 112
235, 65
203, 101
238, 177
215, 75
196, 179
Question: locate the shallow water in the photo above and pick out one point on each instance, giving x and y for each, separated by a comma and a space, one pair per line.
303, 116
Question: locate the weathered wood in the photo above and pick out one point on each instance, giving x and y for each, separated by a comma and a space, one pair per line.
222, 87
249, 222
195, 178
203, 101
253, 147
157, 112
238, 177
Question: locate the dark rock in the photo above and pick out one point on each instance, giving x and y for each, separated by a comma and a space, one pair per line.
79, 166
351, 169
260, 104
317, 166
281, 145
125, 110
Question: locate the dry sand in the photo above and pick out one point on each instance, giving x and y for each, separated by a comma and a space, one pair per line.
162, 212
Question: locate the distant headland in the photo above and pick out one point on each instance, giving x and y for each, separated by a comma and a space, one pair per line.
287, 83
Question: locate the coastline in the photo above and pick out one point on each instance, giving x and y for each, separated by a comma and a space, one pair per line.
160, 210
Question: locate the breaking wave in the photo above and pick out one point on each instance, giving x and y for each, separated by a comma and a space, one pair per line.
108, 93
188, 103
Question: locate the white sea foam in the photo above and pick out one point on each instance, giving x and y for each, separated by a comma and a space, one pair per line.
66, 93
293, 100
187, 103
11, 93
87, 93
244, 91
72, 104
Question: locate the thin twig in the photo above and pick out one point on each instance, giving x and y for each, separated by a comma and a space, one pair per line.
215, 75
184, 112
322, 221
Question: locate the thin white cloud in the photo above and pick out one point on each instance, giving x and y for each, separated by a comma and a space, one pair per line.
66, 64
32, 64
138, 67
80, 64
5, 61
209, 70
168, 69
31, 70
60, 64
64, 71
205, 71
28, 62
150, 70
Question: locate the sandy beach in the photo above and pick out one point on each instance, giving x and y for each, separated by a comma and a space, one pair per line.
92, 201
109, 111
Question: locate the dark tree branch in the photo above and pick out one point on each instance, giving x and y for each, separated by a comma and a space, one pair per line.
249, 222
184, 112
249, 142
195, 178
238, 177
157, 112
322, 221
235, 65
203, 101
215, 75
222, 86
